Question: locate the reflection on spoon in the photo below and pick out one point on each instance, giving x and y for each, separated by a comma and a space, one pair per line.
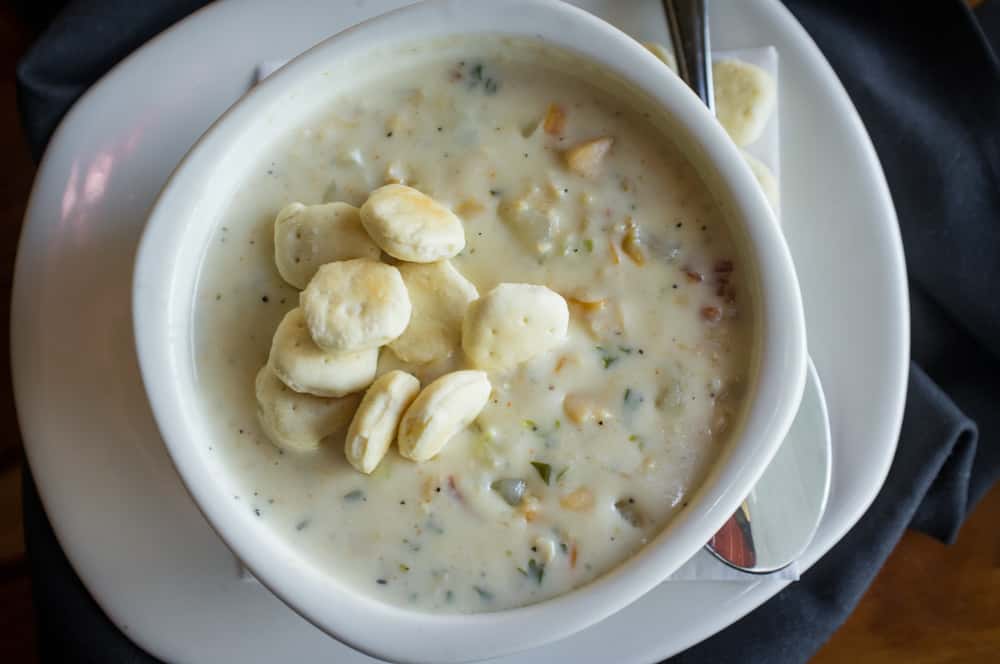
734, 541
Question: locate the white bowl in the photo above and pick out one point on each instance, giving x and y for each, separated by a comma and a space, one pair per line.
191, 205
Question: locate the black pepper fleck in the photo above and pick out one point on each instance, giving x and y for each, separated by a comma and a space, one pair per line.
381, 582
388, 134
256, 511
264, 298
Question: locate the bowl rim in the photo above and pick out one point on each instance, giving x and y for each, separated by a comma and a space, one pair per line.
390, 632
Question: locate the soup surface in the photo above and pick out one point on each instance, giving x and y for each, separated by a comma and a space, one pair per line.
610, 432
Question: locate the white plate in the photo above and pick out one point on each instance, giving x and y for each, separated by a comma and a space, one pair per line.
131, 532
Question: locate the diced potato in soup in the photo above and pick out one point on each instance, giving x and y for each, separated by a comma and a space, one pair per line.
594, 434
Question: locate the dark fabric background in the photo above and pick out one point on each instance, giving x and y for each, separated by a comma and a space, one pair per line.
926, 83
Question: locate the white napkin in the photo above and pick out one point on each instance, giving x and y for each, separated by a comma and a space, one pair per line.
703, 566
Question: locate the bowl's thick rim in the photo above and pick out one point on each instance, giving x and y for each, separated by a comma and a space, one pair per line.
386, 631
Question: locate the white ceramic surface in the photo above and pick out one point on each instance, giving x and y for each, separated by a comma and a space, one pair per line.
194, 202
116, 504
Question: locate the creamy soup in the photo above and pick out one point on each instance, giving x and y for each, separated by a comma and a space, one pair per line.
584, 452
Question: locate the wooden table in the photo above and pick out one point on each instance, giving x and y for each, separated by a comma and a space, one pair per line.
930, 604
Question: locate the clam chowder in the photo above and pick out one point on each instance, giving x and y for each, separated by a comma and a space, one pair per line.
578, 293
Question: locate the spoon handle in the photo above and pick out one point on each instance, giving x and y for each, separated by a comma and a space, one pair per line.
688, 23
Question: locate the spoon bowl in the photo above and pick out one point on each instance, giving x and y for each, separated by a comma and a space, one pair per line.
781, 515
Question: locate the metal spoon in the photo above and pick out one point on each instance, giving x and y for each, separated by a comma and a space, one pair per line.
688, 22
779, 518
